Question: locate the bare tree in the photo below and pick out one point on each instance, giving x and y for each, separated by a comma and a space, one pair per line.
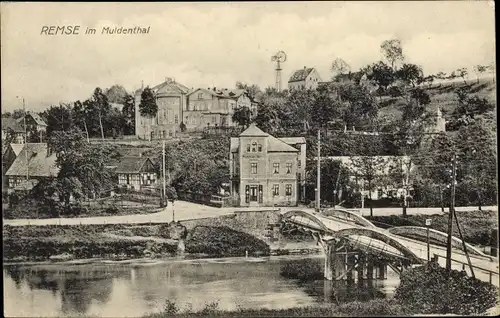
340, 67
392, 51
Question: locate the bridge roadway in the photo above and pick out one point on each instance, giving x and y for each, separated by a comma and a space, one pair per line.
485, 267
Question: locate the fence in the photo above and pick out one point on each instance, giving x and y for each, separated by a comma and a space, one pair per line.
207, 199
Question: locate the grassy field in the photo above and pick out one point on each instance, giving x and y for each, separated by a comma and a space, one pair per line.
442, 96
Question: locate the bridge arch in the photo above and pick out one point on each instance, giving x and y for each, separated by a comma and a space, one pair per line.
349, 215
307, 215
380, 236
434, 234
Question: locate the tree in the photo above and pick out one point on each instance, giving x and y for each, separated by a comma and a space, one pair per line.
116, 94
356, 106
382, 74
297, 108
410, 74
148, 107
18, 113
368, 169
98, 108
479, 70
429, 80
58, 118
252, 90
462, 72
128, 112
392, 51
441, 76
243, 116
82, 166
478, 161
340, 67
324, 108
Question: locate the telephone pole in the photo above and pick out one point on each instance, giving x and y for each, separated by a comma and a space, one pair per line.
164, 181
451, 212
318, 192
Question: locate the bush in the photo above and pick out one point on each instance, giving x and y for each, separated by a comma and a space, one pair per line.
305, 269
224, 241
430, 290
372, 308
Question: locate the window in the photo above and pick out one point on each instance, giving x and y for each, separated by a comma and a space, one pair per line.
164, 114
170, 133
260, 148
253, 168
276, 167
254, 146
247, 194
276, 190
248, 147
288, 168
214, 119
164, 134
176, 119
200, 95
194, 106
288, 190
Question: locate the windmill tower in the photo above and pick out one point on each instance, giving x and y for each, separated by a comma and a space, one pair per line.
279, 58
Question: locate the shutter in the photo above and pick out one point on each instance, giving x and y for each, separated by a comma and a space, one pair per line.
260, 193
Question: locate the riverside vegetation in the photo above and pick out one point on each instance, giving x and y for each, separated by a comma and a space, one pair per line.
121, 241
426, 289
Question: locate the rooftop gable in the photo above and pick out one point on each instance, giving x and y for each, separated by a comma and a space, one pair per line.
276, 145
39, 164
300, 75
253, 131
131, 164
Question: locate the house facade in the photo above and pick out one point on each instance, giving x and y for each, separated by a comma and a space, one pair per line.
386, 164
135, 172
267, 171
171, 98
306, 78
33, 163
13, 130
214, 107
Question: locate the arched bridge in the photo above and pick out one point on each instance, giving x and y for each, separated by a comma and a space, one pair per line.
352, 243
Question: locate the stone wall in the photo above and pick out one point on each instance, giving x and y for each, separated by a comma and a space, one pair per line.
251, 222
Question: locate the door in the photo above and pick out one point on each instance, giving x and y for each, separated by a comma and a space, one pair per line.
253, 193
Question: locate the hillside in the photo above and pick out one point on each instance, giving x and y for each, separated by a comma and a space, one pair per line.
442, 95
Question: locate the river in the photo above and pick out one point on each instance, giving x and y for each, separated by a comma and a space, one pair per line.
135, 288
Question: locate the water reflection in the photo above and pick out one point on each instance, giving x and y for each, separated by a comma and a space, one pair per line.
132, 290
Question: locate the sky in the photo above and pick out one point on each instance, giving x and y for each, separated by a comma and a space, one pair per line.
217, 44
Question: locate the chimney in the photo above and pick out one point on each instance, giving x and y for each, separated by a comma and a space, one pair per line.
305, 67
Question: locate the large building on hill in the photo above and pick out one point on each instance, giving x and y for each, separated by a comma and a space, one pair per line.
267, 171
213, 107
306, 78
171, 98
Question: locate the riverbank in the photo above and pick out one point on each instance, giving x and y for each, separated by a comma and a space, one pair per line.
425, 290
122, 241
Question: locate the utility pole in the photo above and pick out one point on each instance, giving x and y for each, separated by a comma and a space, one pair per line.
164, 199
451, 213
318, 183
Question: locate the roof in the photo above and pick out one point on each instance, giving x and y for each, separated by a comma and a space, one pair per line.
39, 164
253, 131
293, 140
300, 75
131, 164
276, 145
222, 92
17, 148
38, 120
9, 122
172, 85
273, 144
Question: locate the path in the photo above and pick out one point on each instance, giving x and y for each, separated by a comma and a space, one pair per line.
187, 210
